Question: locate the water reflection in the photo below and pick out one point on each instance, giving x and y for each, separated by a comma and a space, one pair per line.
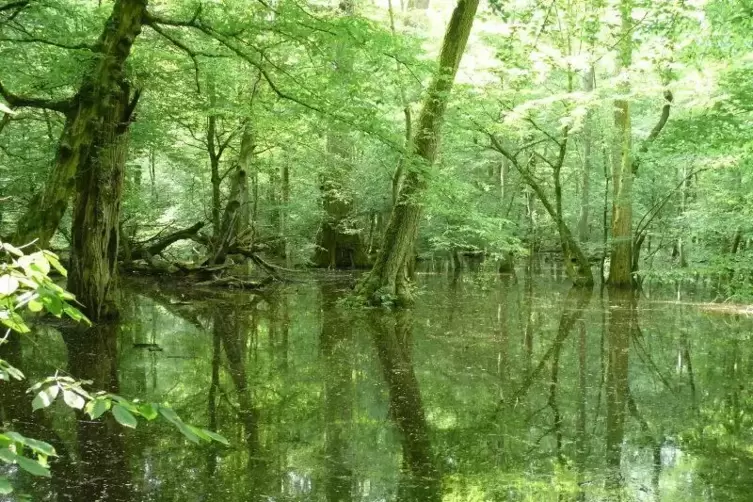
490, 389
393, 338
101, 458
336, 347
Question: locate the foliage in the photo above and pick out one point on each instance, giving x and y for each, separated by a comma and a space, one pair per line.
25, 284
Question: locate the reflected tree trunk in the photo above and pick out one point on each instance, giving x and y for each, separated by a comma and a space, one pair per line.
621, 323
232, 327
335, 344
420, 478
102, 457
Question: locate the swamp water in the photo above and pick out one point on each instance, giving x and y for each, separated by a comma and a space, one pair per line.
491, 389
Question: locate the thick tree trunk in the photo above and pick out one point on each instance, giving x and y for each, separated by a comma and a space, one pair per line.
387, 281
620, 269
89, 109
96, 217
339, 243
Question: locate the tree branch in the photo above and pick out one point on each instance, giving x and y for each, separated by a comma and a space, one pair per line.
669, 98
35, 40
196, 23
14, 5
15, 101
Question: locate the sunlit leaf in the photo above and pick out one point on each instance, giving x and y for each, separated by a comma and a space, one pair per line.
216, 437
73, 399
148, 411
8, 284
35, 305
45, 397
97, 407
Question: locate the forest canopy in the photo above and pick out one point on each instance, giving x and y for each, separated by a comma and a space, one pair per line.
612, 135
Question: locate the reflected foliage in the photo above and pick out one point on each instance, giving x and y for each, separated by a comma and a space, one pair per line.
490, 389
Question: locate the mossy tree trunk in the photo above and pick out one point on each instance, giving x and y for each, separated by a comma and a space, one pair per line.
86, 113
339, 242
387, 280
621, 260
96, 216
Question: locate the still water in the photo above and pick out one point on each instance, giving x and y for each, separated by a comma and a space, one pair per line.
490, 389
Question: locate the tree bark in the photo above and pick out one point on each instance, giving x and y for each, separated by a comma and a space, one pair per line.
387, 281
621, 261
86, 114
96, 217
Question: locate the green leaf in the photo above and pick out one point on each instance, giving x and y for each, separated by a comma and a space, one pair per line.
124, 417
5, 486
188, 433
13, 321
35, 305
169, 414
75, 313
33, 467
53, 304
8, 284
216, 437
45, 397
148, 411
97, 407
53, 259
6, 455
72, 399
41, 447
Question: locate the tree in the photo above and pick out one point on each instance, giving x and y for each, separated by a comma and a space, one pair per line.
387, 280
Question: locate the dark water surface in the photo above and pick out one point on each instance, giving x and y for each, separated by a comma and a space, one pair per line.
490, 389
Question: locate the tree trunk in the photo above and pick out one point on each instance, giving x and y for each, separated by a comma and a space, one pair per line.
387, 281
96, 217
339, 243
622, 206
583, 233
89, 110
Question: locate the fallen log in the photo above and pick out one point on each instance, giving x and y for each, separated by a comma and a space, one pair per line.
145, 250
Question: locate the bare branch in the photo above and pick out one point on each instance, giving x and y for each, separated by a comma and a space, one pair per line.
14, 100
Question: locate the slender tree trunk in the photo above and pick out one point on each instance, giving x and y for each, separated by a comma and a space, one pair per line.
622, 206
88, 110
387, 281
583, 233
284, 214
